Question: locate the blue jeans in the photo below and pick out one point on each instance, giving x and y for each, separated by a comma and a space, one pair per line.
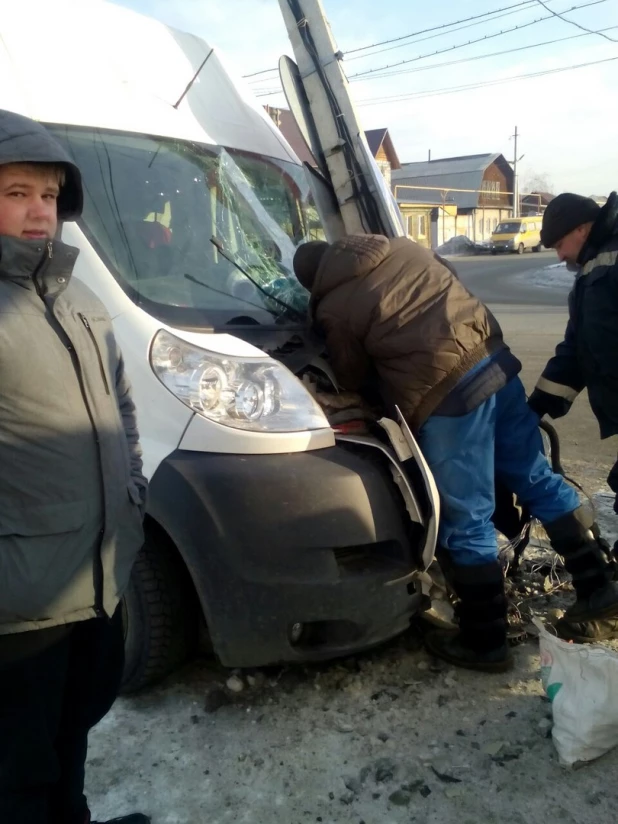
500, 438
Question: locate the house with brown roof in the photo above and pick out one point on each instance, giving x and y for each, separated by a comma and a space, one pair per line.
381, 147
480, 186
438, 199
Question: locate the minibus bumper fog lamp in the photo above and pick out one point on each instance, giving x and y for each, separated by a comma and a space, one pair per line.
245, 393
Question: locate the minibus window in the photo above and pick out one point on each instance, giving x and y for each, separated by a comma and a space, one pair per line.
154, 206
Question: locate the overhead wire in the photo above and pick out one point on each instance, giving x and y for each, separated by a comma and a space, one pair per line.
446, 63
441, 26
469, 87
443, 33
422, 40
494, 15
560, 16
383, 71
468, 43
524, 3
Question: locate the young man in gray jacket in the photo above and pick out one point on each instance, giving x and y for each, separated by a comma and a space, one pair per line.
72, 492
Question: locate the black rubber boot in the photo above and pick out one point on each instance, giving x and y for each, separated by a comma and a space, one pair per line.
132, 818
480, 643
592, 566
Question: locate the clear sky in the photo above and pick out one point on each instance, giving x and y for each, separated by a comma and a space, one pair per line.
568, 121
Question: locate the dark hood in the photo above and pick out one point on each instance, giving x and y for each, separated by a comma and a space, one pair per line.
604, 228
23, 140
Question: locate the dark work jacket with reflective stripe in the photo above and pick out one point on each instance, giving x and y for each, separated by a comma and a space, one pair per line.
588, 355
71, 483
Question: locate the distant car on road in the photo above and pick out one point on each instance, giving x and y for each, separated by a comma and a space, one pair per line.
516, 235
462, 245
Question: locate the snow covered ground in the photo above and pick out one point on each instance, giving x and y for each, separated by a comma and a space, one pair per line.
556, 275
384, 738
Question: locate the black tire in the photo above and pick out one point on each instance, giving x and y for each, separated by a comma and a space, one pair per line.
537, 248
160, 614
493, 251
520, 249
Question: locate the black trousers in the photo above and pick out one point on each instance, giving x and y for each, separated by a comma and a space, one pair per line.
48, 704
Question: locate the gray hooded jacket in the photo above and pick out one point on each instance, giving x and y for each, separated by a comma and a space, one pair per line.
71, 484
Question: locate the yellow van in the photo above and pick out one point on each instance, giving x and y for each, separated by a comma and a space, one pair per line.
516, 235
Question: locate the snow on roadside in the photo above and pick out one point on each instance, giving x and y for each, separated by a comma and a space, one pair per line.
554, 275
606, 517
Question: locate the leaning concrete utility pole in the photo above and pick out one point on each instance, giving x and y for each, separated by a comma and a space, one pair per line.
318, 94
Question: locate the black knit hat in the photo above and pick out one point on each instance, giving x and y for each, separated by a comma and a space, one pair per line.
307, 261
565, 213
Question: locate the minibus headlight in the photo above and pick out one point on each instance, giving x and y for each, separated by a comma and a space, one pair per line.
246, 393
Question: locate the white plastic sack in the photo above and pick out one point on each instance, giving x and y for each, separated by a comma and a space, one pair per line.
581, 681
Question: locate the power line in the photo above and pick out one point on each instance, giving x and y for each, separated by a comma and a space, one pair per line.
264, 71
516, 6
446, 63
386, 74
482, 56
376, 101
481, 84
440, 27
559, 15
432, 37
469, 43
505, 11
371, 74
443, 33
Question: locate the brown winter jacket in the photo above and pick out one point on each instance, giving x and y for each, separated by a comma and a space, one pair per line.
395, 306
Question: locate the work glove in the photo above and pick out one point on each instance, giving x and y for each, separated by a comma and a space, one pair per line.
537, 402
542, 403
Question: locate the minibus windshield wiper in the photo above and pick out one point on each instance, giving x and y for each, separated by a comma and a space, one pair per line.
224, 253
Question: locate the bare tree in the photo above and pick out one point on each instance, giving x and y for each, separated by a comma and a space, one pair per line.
537, 183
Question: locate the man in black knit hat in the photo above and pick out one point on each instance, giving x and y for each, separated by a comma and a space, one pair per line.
585, 236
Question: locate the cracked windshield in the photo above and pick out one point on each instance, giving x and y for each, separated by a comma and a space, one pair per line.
196, 234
